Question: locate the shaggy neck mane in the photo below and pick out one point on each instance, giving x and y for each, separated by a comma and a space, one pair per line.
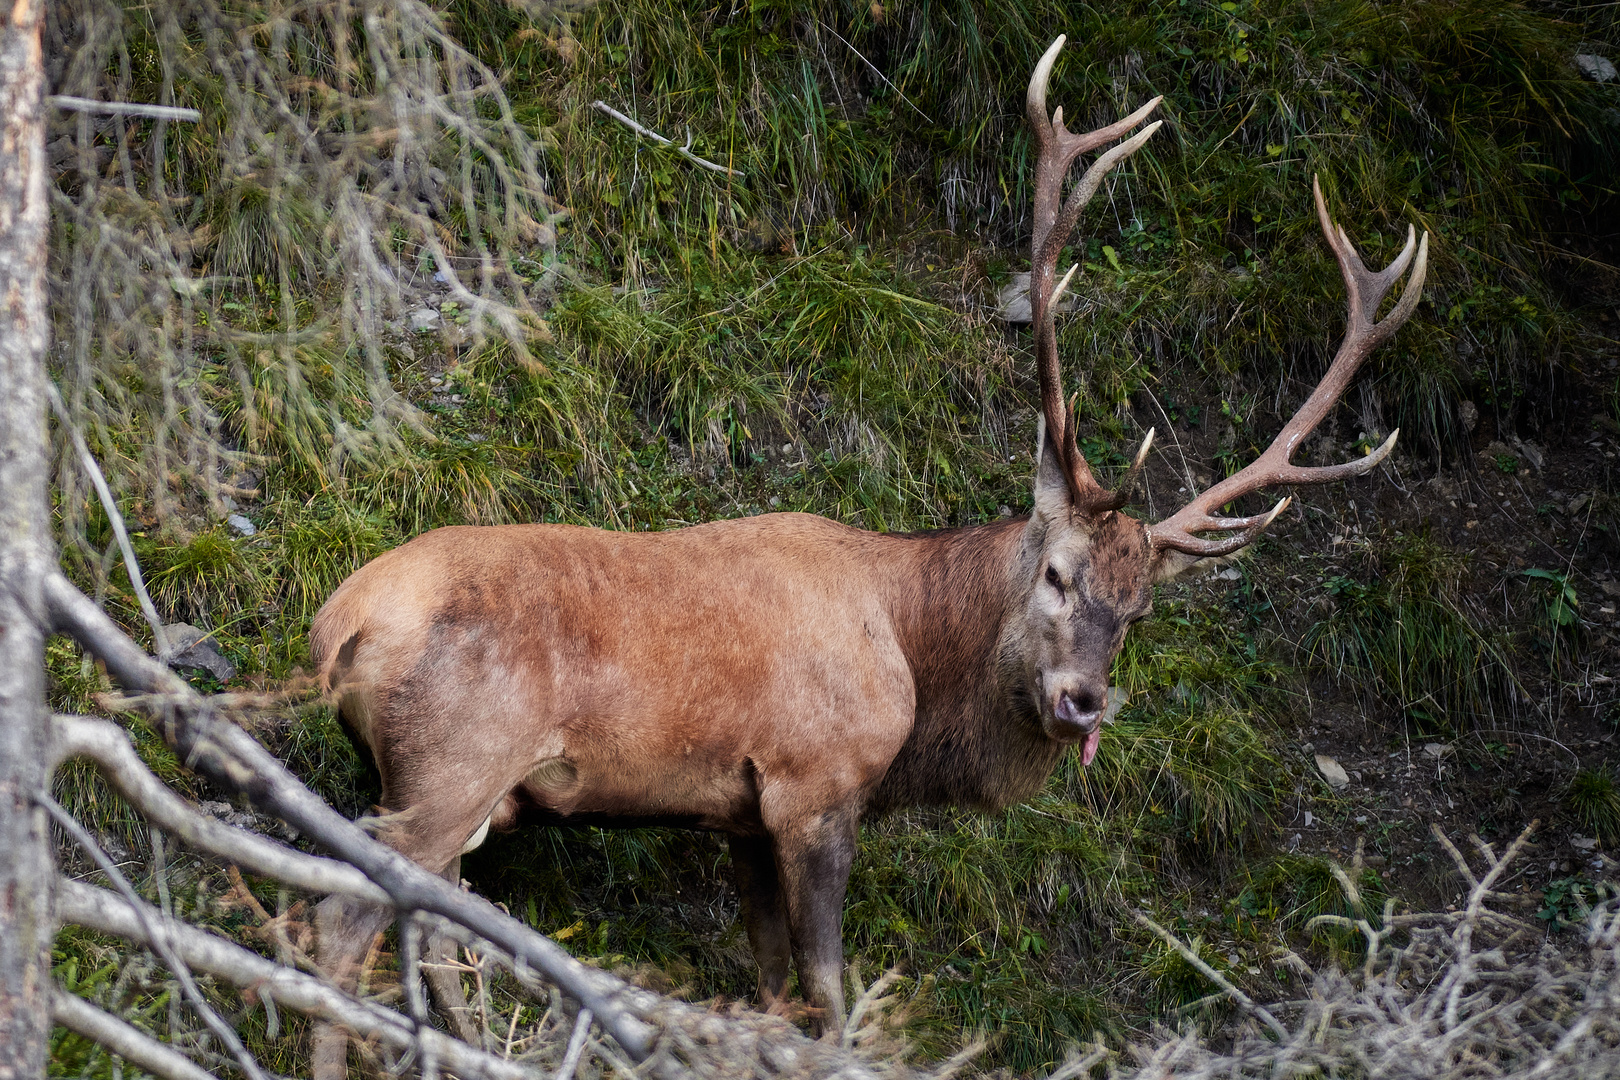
977, 741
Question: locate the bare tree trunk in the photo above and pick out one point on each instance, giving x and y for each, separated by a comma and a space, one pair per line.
27, 917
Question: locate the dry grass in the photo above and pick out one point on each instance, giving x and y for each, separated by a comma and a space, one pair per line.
1474, 992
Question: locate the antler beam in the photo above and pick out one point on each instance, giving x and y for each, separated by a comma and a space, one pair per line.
1054, 221
1366, 290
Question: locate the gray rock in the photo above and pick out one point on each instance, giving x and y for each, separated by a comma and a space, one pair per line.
1468, 415
1597, 68
191, 650
1012, 301
1332, 772
242, 524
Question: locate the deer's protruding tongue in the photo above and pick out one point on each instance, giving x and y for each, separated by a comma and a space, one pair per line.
1089, 749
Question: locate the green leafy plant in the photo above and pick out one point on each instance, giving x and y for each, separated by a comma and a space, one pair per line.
1566, 901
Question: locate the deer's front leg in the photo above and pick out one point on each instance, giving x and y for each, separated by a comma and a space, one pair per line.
813, 860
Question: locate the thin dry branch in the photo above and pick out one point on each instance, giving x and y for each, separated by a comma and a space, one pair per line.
109, 746
1244, 1001
99, 909
1442, 995
684, 151
132, 566
123, 108
159, 942
121, 1038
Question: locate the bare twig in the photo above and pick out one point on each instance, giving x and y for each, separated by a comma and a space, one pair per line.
159, 943
123, 1039
124, 108
115, 519
576, 1046
684, 151
878, 73
99, 909
1244, 1001
108, 745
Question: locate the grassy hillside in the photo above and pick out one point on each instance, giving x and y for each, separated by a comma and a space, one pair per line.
817, 333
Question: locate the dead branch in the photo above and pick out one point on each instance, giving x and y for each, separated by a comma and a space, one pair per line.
107, 744
1244, 1001
1451, 1000
684, 151
99, 909
117, 1037
158, 942
123, 108
132, 566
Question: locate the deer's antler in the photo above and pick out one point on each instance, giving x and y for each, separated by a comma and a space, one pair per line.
1055, 219
1366, 290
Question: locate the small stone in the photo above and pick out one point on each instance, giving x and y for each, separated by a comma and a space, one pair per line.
242, 524
1332, 772
1597, 68
190, 649
1468, 415
1117, 697
1012, 301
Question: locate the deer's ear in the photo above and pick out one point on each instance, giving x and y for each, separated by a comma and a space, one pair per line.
1176, 564
1052, 500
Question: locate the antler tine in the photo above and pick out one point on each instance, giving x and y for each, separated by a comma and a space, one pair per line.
1363, 334
1367, 289
1252, 528
1057, 148
1126, 488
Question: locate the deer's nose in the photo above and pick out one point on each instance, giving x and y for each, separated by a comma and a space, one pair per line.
1080, 710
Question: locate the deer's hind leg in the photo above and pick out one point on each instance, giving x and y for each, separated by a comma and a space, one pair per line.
764, 915
441, 968
432, 832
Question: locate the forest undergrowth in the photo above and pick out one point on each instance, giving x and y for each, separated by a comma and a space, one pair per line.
610, 334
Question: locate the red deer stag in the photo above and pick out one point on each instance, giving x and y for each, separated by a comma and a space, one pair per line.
777, 678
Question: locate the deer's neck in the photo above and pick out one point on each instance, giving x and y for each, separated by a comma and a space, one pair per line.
977, 741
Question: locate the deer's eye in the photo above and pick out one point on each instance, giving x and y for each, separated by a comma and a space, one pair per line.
1053, 580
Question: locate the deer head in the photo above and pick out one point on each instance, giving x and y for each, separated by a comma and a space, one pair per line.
1089, 569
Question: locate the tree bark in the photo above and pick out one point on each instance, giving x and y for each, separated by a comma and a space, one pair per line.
27, 919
